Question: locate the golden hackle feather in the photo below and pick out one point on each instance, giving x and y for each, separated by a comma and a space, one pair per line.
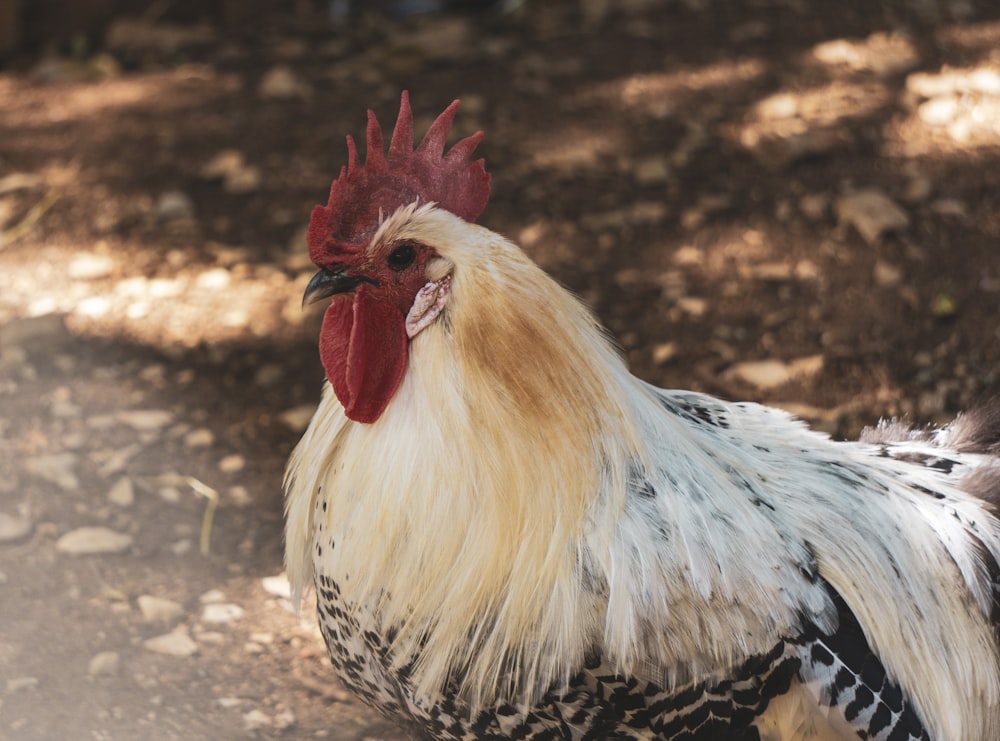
466, 514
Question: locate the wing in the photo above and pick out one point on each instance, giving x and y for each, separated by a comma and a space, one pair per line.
880, 565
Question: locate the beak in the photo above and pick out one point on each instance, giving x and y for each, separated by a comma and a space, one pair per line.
328, 282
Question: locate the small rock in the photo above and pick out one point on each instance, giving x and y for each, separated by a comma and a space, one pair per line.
950, 207
255, 720
56, 468
122, 493
240, 495
145, 420
174, 206
222, 613
277, 586
17, 684
778, 151
652, 171
774, 272
814, 205
230, 166
112, 462
940, 110
887, 275
103, 664
159, 609
222, 164
918, 190
872, 213
14, 528
93, 306
283, 720
281, 83
768, 374
213, 279
297, 418
664, 352
175, 643
212, 596
692, 305
89, 266
200, 438
85, 541
232, 463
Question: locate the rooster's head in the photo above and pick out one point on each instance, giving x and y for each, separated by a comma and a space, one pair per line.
386, 287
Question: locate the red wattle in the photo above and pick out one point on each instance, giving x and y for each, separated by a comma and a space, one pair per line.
363, 347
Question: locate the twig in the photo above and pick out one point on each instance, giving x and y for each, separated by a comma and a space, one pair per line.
198, 488
25, 225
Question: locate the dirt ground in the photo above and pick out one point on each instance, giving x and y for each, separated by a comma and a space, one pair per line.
791, 202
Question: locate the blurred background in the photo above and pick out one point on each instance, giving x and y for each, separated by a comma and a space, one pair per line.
777, 200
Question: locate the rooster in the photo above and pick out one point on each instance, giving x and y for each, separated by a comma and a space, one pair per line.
510, 536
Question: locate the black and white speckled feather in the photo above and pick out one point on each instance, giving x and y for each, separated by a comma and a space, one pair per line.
554, 549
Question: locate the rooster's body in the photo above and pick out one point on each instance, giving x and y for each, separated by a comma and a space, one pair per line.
512, 537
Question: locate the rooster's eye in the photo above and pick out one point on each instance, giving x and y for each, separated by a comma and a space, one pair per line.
402, 257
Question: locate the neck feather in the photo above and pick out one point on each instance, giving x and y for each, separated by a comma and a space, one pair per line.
461, 515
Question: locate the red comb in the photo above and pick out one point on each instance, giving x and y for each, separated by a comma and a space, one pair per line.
362, 195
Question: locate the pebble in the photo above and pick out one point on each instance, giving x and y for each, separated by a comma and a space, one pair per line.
777, 152
159, 609
814, 205
255, 720
281, 83
277, 586
768, 374
886, 275
56, 468
298, 418
688, 255
872, 213
232, 463
212, 596
111, 462
918, 190
85, 541
182, 546
881, 53
174, 205
652, 171
175, 643
144, 420
18, 684
950, 207
103, 664
230, 166
664, 352
213, 279
692, 305
239, 495
89, 266
200, 438
122, 493
221, 613
14, 528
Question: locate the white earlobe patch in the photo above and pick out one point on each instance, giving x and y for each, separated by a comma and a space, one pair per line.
429, 302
